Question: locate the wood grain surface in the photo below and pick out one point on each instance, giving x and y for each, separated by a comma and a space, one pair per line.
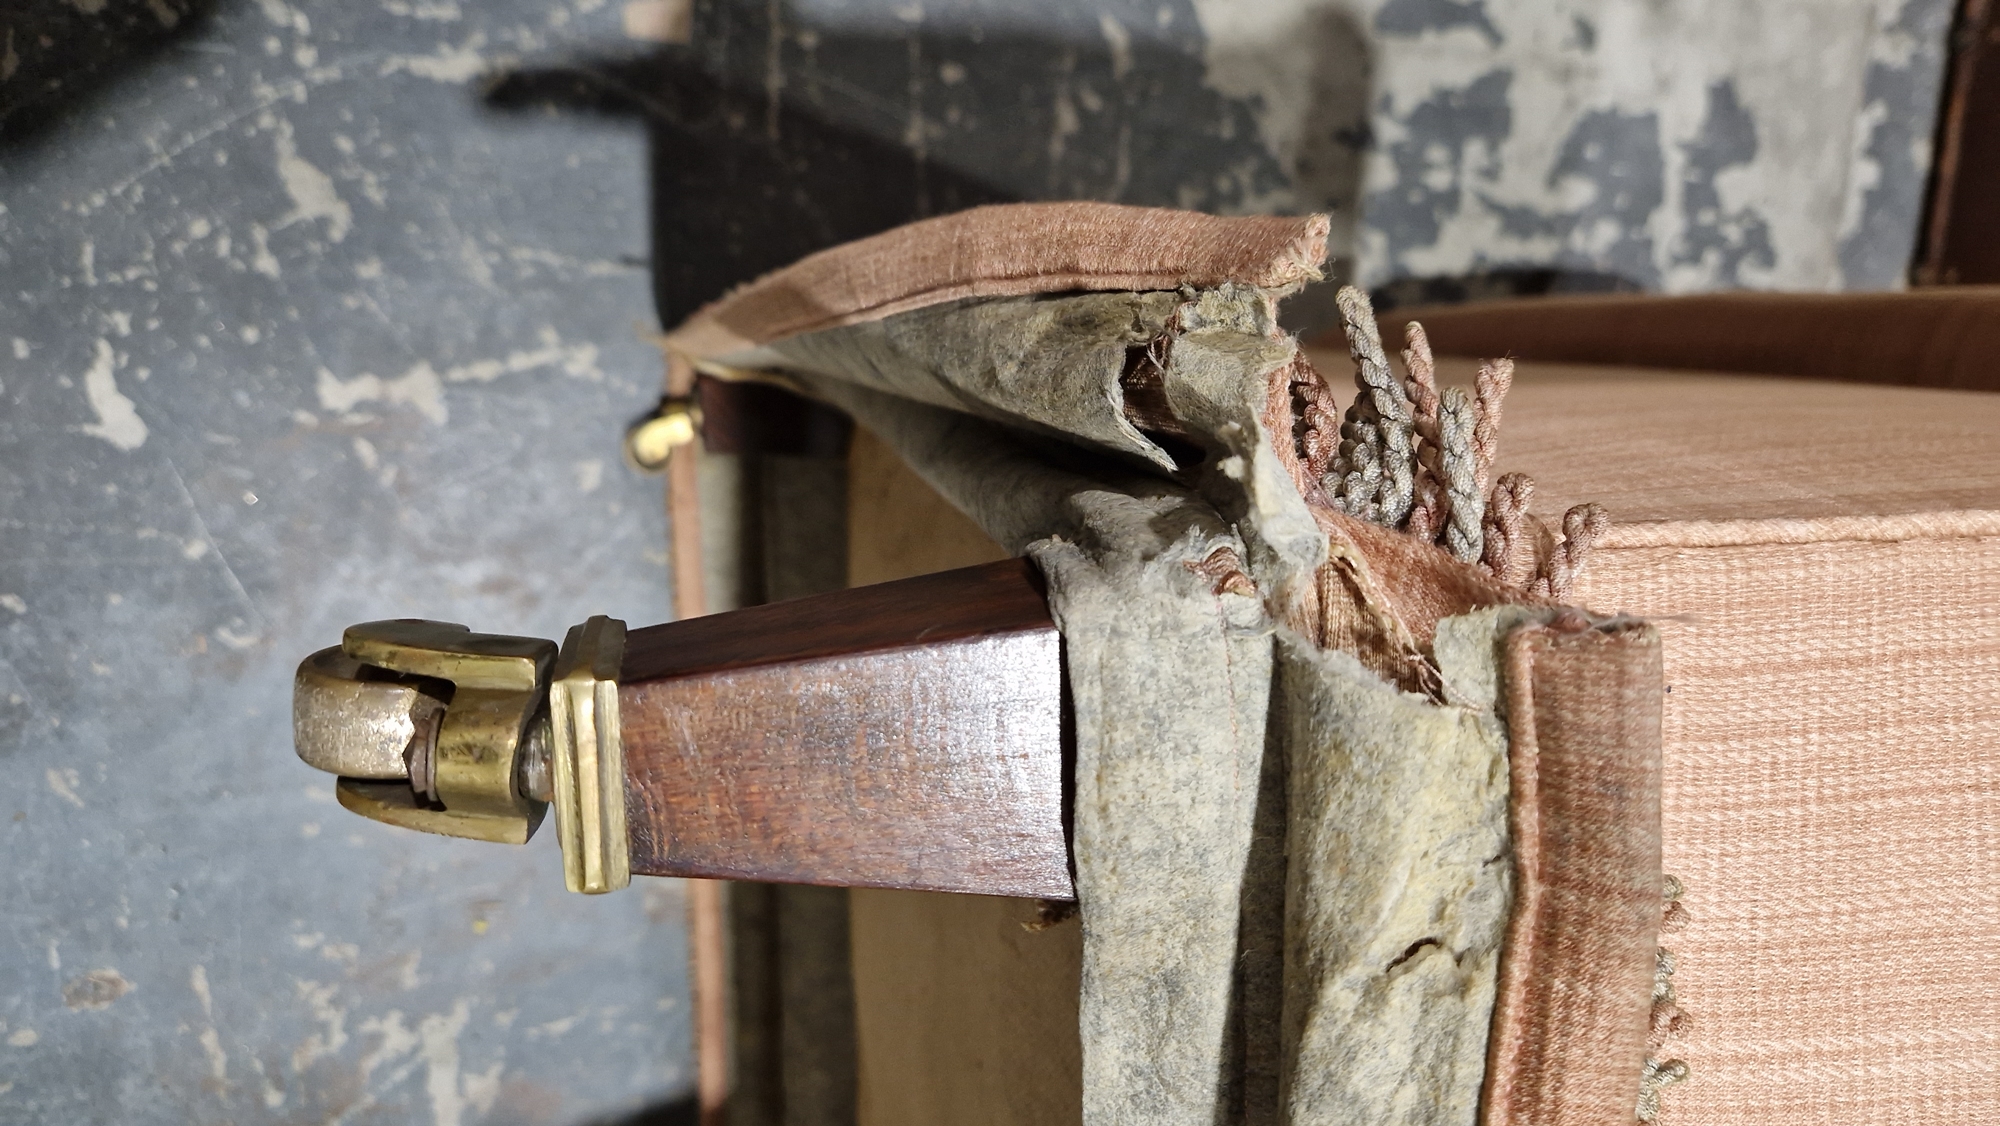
1961, 242
965, 1011
903, 735
898, 526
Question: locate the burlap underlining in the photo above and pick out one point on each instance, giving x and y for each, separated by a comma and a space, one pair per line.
1216, 987
1220, 726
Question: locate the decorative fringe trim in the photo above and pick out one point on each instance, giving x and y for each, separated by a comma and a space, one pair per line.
1668, 1022
1411, 457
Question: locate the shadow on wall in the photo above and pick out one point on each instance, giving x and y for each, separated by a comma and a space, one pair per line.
58, 56
680, 1112
729, 204
779, 132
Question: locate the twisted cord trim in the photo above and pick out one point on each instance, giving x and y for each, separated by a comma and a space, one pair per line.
1427, 507
1508, 554
1408, 454
1490, 387
1466, 508
1583, 526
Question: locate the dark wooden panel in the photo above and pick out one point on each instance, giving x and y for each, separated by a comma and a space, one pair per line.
1962, 230
1936, 337
758, 418
906, 735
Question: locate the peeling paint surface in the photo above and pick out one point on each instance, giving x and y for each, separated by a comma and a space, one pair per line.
118, 421
1708, 144
295, 332
1684, 147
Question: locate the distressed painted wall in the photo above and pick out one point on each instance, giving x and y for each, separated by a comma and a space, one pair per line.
295, 333
1695, 145
1685, 145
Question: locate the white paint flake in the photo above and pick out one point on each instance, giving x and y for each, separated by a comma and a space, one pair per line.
313, 196
211, 1040
284, 15
419, 387
21, 348
63, 784
235, 640
319, 998
14, 602
579, 360
441, 10
482, 1089
274, 1095
439, 1035
557, 1027
118, 420
476, 265
23, 1038
198, 981
1119, 41
589, 475
261, 259
449, 64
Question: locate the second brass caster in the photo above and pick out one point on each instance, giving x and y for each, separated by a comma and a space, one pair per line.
435, 728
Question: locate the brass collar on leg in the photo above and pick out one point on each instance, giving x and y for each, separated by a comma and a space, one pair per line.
432, 727
588, 758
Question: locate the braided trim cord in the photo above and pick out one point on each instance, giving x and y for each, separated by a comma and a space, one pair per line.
1508, 554
1666, 1024
1379, 421
1490, 388
1319, 413
1361, 453
1463, 534
1412, 455
1427, 508
1583, 526
1398, 490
